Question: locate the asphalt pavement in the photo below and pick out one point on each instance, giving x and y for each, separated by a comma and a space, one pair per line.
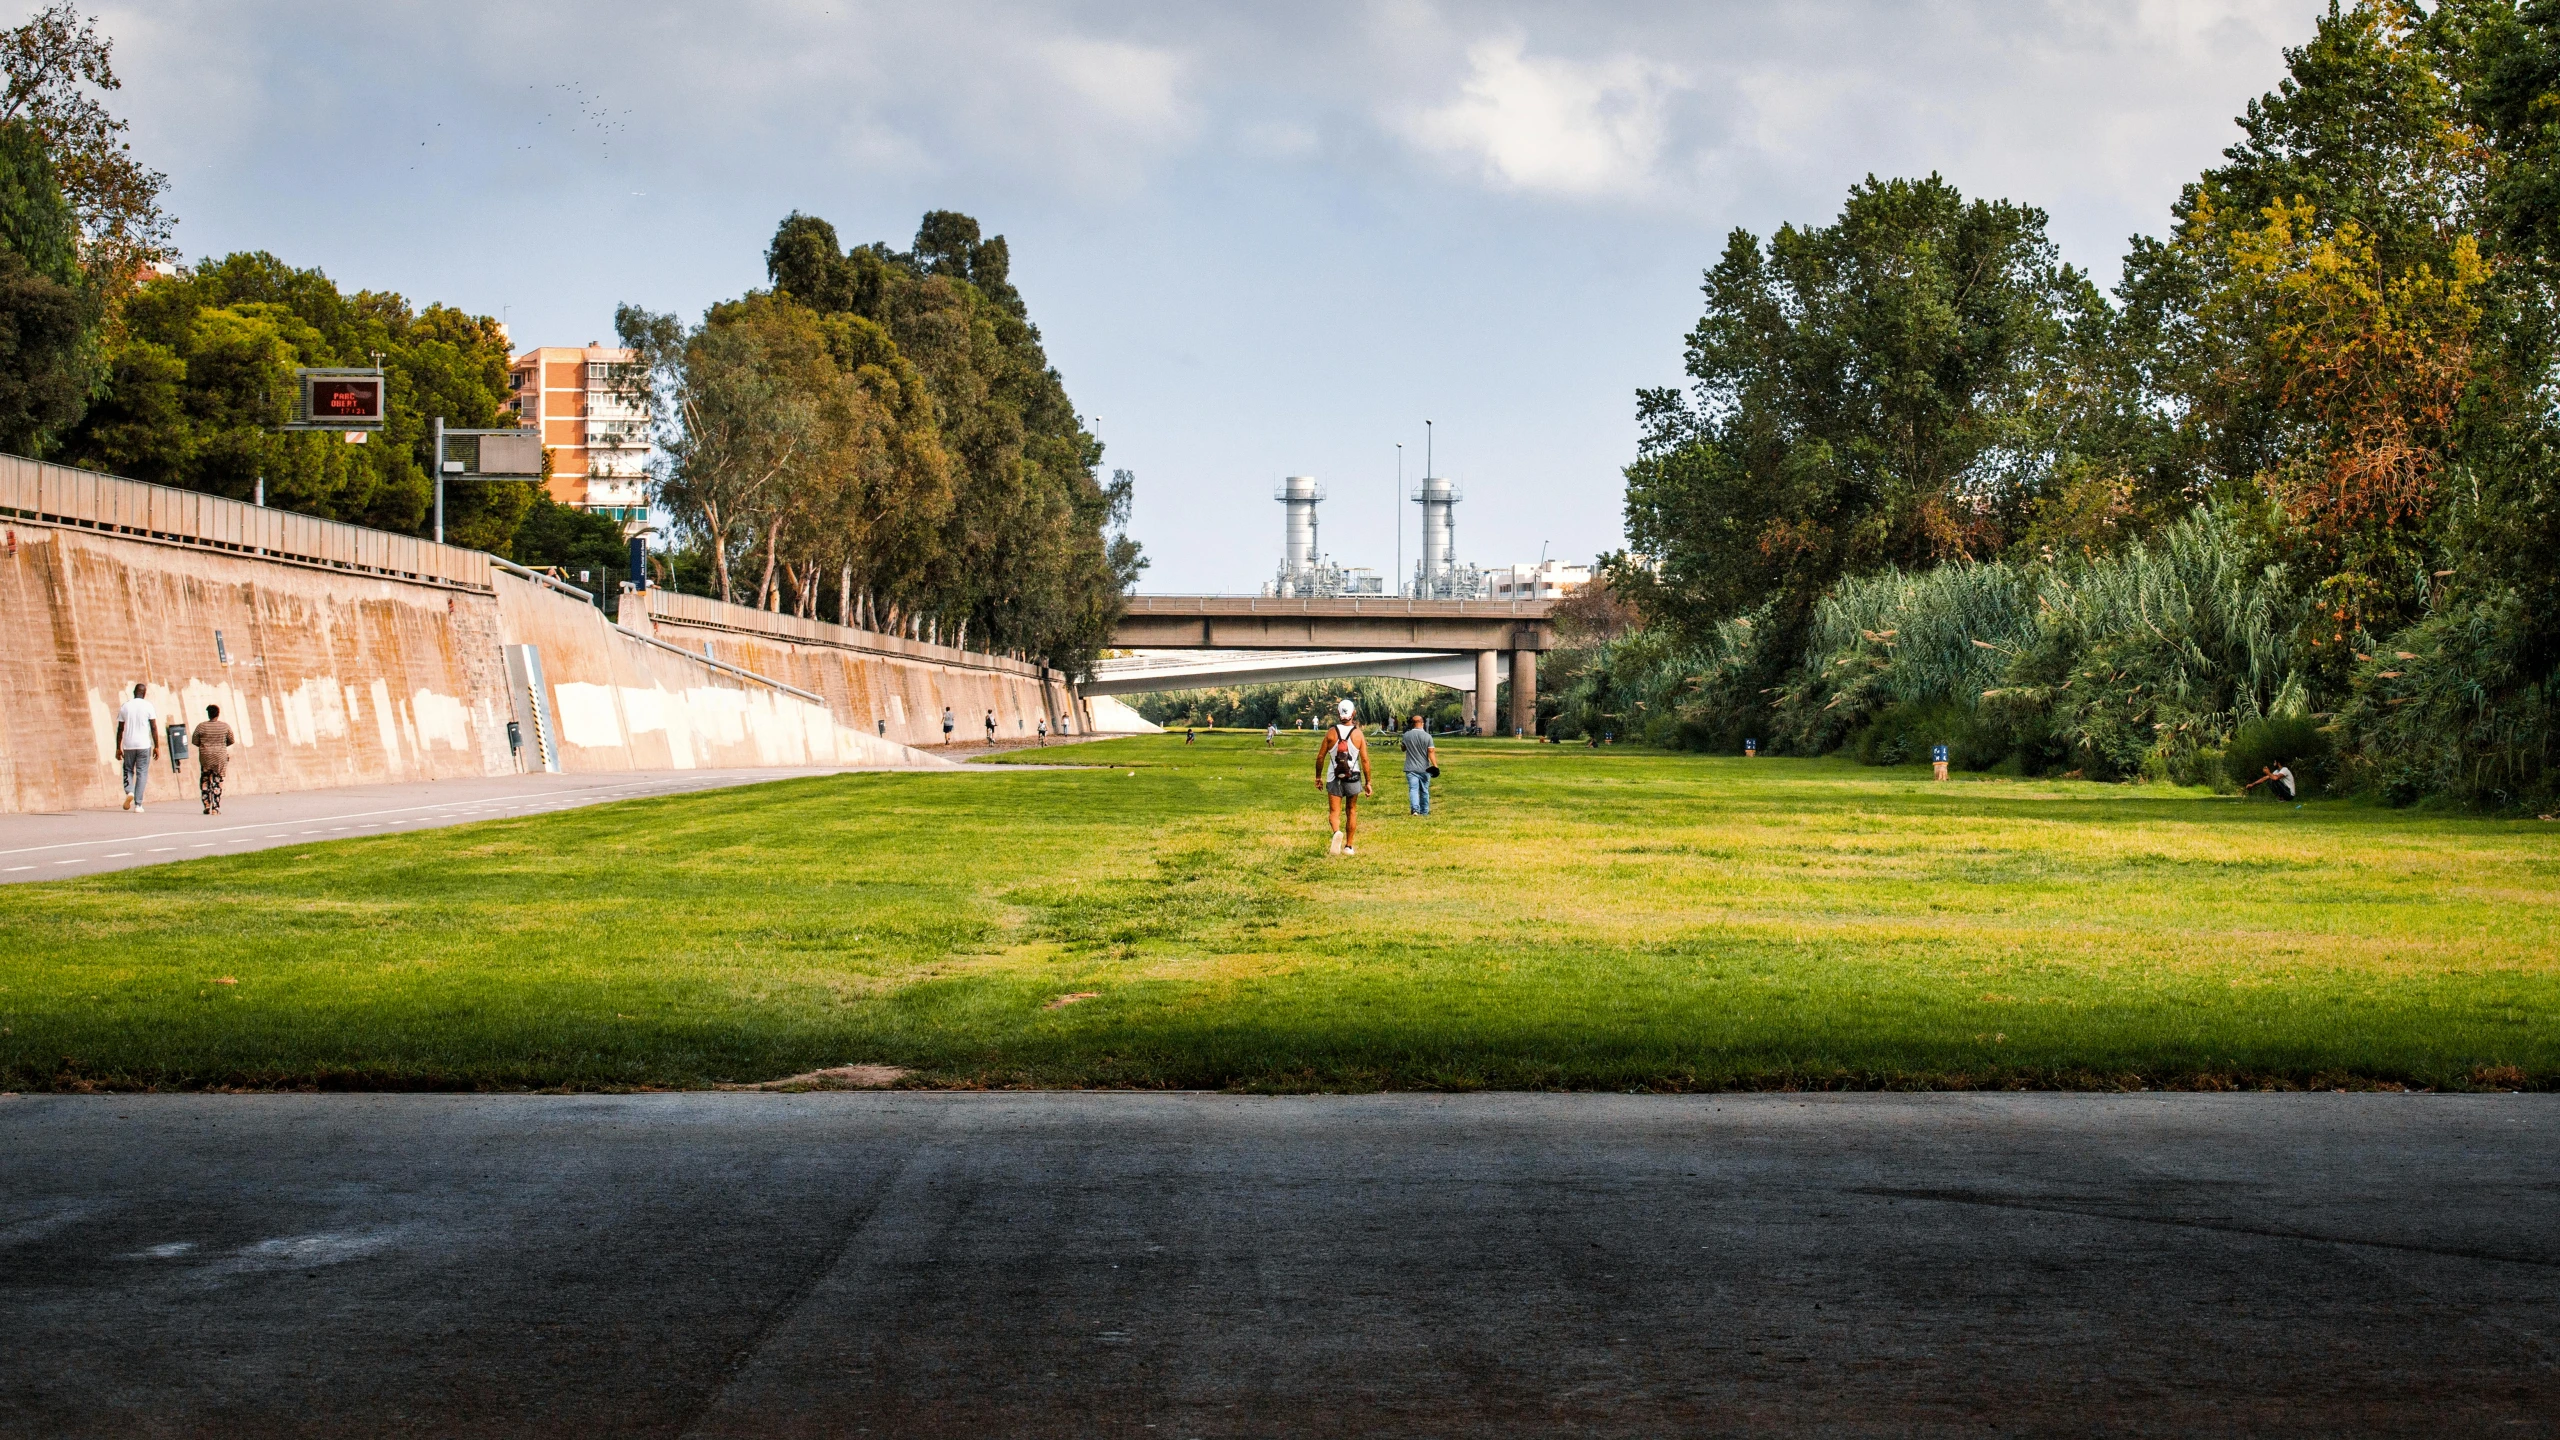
930, 1264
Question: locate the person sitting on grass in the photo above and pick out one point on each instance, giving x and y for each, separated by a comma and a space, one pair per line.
1342, 773
2283, 778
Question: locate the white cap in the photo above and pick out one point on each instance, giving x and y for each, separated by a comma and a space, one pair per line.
1347, 709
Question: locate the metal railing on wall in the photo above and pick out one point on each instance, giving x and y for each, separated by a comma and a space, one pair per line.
60, 495
703, 612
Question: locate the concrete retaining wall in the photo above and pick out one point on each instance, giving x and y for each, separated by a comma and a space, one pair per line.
336, 678
881, 685
327, 678
621, 703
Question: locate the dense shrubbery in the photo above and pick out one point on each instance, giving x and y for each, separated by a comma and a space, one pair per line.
2116, 665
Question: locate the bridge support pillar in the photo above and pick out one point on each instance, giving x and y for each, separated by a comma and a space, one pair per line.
1488, 685
1524, 692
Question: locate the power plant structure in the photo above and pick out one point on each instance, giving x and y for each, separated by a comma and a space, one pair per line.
1304, 570
1438, 575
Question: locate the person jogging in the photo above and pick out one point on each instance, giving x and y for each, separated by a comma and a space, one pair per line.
1342, 772
1044, 730
946, 724
991, 727
213, 758
1270, 734
138, 737
1421, 762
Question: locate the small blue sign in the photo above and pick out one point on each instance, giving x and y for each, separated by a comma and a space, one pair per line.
1750, 747
1938, 753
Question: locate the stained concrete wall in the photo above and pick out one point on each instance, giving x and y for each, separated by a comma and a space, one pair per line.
882, 685
327, 678
621, 703
330, 678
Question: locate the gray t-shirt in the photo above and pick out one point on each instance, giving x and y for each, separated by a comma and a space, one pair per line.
1417, 751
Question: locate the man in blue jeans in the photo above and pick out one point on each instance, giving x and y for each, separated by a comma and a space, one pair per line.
138, 737
1420, 755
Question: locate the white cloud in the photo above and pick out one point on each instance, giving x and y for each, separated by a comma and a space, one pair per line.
1565, 127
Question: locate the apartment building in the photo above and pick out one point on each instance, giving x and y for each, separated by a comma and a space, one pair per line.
1547, 580
599, 440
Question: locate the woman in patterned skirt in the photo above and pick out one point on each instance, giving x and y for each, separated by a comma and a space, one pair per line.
213, 757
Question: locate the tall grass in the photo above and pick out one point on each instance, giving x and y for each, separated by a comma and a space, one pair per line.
2140, 661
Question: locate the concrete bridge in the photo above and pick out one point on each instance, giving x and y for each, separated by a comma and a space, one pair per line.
1417, 638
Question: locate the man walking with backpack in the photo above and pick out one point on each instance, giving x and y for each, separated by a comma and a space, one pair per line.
1342, 772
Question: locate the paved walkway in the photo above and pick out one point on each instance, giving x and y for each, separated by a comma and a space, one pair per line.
89, 842
912, 1264
173, 827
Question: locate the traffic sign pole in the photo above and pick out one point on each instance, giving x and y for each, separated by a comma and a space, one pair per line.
438, 428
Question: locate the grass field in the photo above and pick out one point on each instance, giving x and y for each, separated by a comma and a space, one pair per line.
1569, 918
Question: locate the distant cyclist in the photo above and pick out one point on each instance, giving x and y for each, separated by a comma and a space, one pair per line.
1342, 772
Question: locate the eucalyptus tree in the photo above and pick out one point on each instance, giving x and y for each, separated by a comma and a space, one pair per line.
730, 427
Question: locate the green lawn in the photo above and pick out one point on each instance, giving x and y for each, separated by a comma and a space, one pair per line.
1569, 918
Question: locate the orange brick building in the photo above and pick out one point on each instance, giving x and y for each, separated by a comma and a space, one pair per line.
599, 441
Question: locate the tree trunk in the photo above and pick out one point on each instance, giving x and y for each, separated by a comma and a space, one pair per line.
768, 594
719, 551
844, 594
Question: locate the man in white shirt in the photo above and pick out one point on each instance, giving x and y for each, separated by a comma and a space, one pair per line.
138, 736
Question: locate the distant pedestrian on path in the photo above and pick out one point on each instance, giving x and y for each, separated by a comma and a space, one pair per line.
946, 724
1421, 762
1044, 730
138, 738
1342, 772
991, 727
213, 758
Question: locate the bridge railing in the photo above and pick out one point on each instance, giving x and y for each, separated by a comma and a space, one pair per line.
1336, 605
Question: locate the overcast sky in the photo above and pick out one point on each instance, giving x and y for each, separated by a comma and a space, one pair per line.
1260, 240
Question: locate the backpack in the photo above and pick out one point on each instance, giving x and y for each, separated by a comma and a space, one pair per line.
1346, 761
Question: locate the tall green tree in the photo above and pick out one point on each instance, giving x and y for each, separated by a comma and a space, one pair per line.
48, 310
1867, 393
55, 66
1026, 557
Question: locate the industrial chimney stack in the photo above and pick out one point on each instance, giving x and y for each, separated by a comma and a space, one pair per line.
1304, 571
1439, 576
